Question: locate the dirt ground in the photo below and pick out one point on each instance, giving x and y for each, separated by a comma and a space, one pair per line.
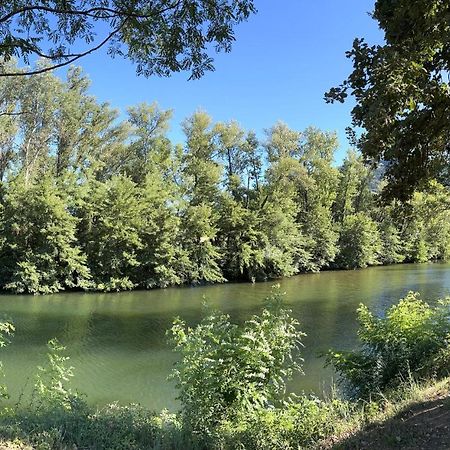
424, 425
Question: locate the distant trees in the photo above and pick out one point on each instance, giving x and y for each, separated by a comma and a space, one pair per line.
88, 201
39, 252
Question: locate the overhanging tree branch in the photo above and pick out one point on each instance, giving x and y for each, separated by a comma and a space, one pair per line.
161, 36
91, 12
69, 61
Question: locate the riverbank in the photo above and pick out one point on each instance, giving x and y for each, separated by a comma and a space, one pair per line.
231, 383
412, 417
415, 417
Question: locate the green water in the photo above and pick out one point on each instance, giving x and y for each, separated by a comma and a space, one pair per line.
117, 342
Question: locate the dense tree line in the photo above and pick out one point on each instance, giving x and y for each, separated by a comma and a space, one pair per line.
92, 201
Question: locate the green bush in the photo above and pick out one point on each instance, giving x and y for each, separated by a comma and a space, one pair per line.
298, 424
6, 331
411, 340
227, 371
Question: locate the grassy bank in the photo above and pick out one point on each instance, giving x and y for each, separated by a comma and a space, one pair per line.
411, 417
414, 417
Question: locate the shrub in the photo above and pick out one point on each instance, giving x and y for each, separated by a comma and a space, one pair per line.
227, 371
299, 424
411, 340
6, 331
50, 390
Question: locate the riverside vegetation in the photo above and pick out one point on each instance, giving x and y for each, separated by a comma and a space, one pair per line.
88, 201
231, 383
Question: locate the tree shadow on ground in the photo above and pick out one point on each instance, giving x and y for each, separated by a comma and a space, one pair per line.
424, 425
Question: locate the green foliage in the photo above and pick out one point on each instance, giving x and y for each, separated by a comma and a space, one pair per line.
286, 252
111, 218
39, 252
359, 242
402, 93
392, 242
160, 38
6, 331
426, 231
199, 235
299, 424
411, 340
241, 240
323, 237
162, 260
88, 201
50, 389
227, 371
353, 192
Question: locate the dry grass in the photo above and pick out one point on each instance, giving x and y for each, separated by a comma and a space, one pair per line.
416, 418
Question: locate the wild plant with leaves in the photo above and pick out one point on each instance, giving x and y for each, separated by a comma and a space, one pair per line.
411, 340
227, 371
6, 331
51, 388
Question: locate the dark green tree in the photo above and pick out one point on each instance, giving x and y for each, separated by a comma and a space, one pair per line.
359, 242
163, 260
354, 192
426, 224
392, 245
110, 227
402, 93
160, 37
201, 175
318, 195
287, 250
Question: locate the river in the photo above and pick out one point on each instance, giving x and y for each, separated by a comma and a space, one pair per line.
117, 342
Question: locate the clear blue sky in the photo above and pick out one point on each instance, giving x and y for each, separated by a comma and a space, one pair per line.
284, 59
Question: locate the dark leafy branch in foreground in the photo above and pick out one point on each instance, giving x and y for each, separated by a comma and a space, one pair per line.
402, 94
160, 36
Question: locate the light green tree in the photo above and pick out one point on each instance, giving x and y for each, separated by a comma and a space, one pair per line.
201, 175
40, 253
111, 221
359, 242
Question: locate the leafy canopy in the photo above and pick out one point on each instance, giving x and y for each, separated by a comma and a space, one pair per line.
160, 37
402, 93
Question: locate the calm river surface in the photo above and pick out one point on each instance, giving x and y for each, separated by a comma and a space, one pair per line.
117, 342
